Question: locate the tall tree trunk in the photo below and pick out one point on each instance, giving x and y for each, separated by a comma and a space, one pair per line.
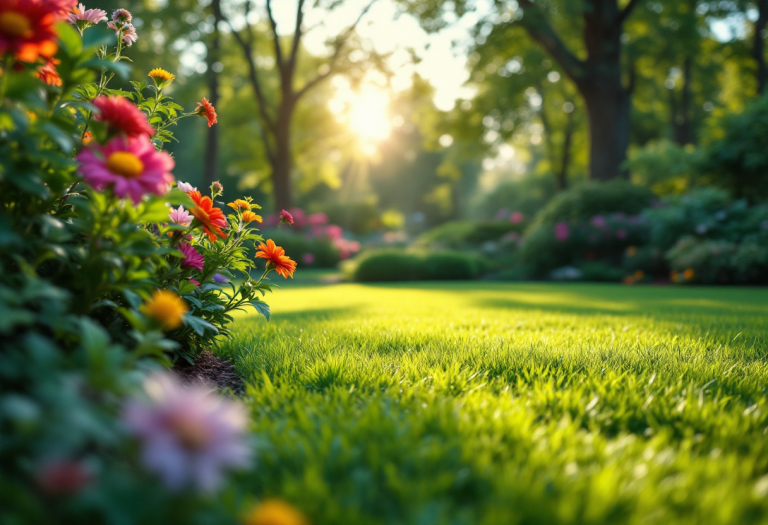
758, 46
211, 162
565, 160
282, 160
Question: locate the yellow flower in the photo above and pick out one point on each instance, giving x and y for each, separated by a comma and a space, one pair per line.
249, 217
240, 204
161, 76
275, 512
631, 251
166, 307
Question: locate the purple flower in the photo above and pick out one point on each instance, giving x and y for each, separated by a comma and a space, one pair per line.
562, 231
180, 216
185, 187
189, 436
598, 221
621, 234
192, 259
220, 279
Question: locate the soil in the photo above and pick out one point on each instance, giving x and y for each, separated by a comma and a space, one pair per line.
211, 371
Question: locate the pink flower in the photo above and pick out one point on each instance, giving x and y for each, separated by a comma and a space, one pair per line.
123, 116
192, 259
516, 218
598, 221
130, 166
180, 216
334, 232
318, 219
286, 217
562, 232
194, 281
308, 258
122, 16
90, 16
299, 219
124, 31
185, 187
188, 435
62, 478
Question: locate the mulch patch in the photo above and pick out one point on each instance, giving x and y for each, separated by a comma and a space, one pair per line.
211, 371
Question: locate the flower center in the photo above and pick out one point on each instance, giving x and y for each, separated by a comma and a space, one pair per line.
125, 164
191, 434
15, 24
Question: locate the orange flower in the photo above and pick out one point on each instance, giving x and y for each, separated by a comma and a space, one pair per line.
239, 204
206, 109
275, 512
87, 138
276, 259
689, 274
48, 73
211, 218
27, 29
249, 217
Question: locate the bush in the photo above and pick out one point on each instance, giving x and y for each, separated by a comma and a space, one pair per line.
664, 167
527, 196
734, 155
719, 261
582, 202
395, 265
466, 234
315, 252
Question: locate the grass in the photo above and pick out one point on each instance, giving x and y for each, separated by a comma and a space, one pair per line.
496, 403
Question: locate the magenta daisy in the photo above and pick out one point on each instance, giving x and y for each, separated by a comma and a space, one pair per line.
180, 216
192, 259
130, 166
87, 16
189, 436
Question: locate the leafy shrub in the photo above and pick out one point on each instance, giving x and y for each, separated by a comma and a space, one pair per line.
466, 234
590, 199
734, 154
527, 196
100, 285
396, 265
317, 252
719, 261
664, 167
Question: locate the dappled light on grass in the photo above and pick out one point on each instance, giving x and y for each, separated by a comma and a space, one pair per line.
511, 403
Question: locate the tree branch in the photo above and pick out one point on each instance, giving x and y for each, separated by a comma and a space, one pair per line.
541, 30
275, 38
624, 13
253, 76
297, 34
338, 45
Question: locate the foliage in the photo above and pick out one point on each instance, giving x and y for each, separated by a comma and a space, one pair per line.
317, 252
397, 265
584, 201
734, 153
527, 196
664, 167
487, 403
466, 234
96, 285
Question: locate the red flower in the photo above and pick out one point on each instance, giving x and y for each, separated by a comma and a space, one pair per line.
276, 258
286, 217
211, 218
48, 73
27, 28
62, 478
123, 116
206, 109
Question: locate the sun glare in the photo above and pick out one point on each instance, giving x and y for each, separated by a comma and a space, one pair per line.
368, 116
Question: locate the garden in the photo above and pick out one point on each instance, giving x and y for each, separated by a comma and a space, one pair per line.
250, 282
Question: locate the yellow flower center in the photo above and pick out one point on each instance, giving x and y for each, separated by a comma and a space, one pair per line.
125, 164
15, 24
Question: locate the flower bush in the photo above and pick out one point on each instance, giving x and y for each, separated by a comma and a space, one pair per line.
109, 272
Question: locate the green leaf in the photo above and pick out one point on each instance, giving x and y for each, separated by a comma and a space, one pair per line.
70, 40
262, 308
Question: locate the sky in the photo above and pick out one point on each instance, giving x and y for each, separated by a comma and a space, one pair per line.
442, 63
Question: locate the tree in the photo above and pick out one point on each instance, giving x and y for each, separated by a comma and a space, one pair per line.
277, 115
211, 161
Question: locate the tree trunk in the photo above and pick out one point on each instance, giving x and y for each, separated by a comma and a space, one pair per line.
211, 162
281, 163
565, 161
758, 46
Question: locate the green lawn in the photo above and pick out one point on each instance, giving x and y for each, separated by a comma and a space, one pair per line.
510, 403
